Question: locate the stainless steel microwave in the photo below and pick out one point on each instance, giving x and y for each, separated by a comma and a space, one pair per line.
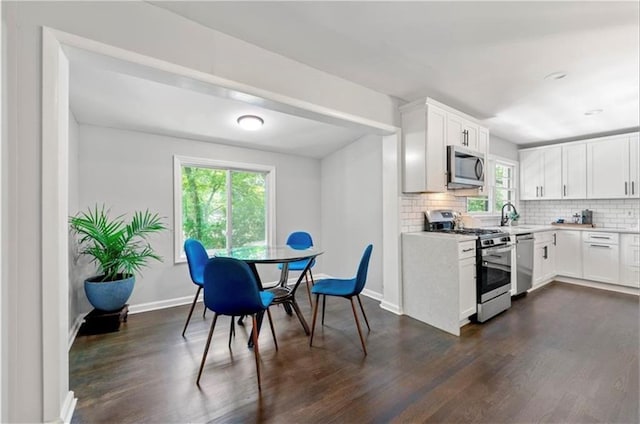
465, 168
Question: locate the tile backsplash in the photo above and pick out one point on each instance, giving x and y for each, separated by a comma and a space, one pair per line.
607, 213
413, 207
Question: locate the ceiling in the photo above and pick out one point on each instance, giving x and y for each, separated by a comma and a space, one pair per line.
488, 59
123, 97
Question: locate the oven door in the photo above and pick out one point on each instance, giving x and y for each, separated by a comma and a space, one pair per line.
494, 271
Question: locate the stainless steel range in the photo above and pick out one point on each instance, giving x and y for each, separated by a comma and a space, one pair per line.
493, 262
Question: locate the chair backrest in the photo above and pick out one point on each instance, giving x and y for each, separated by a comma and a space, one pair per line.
230, 288
299, 240
361, 276
197, 258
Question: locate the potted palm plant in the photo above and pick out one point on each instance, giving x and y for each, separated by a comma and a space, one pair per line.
118, 248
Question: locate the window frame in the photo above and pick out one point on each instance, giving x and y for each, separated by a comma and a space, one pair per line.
491, 188
180, 161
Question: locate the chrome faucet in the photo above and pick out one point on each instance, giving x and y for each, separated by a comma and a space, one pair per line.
504, 219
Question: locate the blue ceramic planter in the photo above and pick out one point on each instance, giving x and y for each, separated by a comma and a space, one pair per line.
111, 295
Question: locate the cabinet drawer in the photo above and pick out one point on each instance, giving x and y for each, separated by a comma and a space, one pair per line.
466, 249
544, 237
602, 238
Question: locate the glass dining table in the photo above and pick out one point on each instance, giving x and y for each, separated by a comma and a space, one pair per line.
283, 292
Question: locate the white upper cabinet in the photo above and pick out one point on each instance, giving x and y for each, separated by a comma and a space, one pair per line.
574, 171
530, 174
608, 168
634, 166
603, 168
541, 173
463, 132
424, 131
428, 127
483, 139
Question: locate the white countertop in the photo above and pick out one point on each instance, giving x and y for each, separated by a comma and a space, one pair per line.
436, 235
521, 229
525, 228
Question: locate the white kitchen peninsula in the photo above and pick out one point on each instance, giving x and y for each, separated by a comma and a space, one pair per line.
439, 281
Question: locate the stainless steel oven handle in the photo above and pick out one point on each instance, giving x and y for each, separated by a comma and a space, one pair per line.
499, 249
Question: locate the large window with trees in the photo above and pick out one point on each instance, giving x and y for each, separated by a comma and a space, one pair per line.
501, 187
222, 204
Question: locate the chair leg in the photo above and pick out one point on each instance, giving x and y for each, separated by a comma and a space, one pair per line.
324, 303
256, 351
363, 314
273, 332
308, 290
313, 283
353, 308
296, 309
204, 312
206, 347
315, 315
193, 305
232, 330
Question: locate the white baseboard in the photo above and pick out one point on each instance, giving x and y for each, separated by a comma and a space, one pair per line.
536, 287
162, 304
601, 286
73, 332
391, 307
372, 295
69, 405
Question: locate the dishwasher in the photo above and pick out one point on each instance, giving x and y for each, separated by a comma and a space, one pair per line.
524, 263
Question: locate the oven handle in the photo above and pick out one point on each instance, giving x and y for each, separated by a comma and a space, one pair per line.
499, 249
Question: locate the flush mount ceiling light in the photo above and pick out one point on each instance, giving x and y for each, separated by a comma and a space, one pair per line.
250, 122
593, 112
556, 75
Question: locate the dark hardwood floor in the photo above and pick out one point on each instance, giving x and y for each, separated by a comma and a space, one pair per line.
562, 354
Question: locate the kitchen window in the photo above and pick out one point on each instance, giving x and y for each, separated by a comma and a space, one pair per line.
222, 204
501, 187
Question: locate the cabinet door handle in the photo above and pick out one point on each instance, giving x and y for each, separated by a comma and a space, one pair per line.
601, 237
554, 239
537, 191
625, 188
469, 249
545, 255
633, 189
565, 189
601, 245
541, 191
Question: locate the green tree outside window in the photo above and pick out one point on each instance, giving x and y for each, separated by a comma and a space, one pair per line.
208, 213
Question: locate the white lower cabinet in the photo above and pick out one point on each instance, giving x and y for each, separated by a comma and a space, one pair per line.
544, 257
601, 259
630, 260
569, 253
467, 280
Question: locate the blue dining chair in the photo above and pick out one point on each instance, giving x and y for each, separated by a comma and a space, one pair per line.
197, 258
230, 288
347, 288
301, 240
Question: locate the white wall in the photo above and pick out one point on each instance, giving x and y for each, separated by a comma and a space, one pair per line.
501, 147
148, 30
128, 171
78, 303
351, 205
